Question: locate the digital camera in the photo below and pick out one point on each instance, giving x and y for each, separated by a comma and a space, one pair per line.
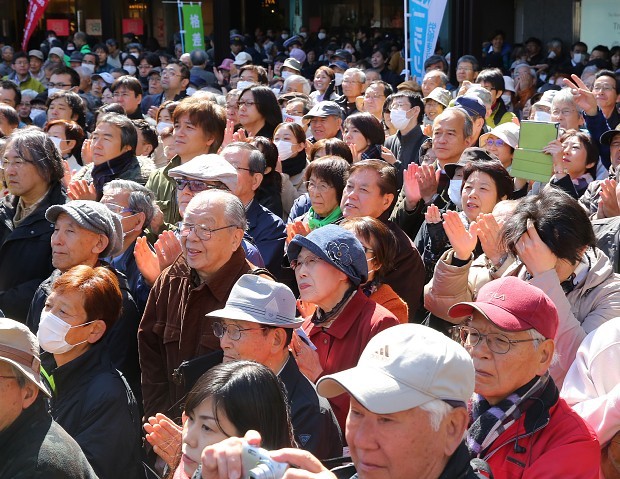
258, 465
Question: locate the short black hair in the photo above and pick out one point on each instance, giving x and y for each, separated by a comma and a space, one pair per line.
17, 56
9, 85
493, 76
333, 170
129, 135
610, 74
560, 221
65, 70
504, 183
128, 81
414, 100
148, 133
368, 126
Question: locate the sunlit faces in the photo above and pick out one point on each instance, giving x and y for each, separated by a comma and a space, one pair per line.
352, 136
567, 115
614, 148
352, 87
325, 127
574, 157
190, 140
249, 116
73, 245
321, 81
317, 280
432, 108
58, 131
605, 91
254, 344
59, 109
503, 151
479, 195
22, 177
323, 197
362, 195
106, 143
465, 72
449, 140
128, 99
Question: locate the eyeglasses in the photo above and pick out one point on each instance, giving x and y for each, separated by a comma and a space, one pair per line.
318, 187
243, 169
194, 185
497, 142
245, 103
233, 331
58, 85
169, 72
202, 231
562, 112
308, 262
497, 342
144, 67
602, 88
17, 163
118, 209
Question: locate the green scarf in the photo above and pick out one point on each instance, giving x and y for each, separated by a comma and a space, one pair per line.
315, 221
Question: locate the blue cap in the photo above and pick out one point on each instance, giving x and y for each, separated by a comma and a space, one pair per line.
472, 106
295, 39
336, 246
339, 64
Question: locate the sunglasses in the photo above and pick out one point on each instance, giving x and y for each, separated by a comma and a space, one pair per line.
497, 142
195, 186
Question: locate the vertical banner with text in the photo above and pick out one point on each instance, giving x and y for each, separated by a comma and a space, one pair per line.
424, 23
194, 29
36, 8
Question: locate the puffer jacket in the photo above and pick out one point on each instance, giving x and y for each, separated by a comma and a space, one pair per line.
593, 301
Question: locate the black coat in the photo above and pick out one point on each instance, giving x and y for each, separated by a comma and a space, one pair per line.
36, 447
25, 253
94, 404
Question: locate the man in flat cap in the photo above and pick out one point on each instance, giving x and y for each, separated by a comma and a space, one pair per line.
84, 232
32, 444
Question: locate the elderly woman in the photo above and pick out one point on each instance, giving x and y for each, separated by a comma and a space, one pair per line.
330, 264
565, 111
91, 400
380, 248
33, 172
501, 141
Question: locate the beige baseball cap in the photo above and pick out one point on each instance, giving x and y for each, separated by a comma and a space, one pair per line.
404, 367
508, 132
20, 348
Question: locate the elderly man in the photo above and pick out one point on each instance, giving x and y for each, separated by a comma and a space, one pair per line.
264, 227
85, 231
325, 119
408, 398
173, 328
32, 443
433, 79
519, 423
256, 303
353, 83
525, 87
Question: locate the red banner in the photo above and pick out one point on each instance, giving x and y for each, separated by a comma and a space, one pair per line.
59, 25
36, 8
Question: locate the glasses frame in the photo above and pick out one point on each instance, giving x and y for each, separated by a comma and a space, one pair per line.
229, 328
185, 229
457, 333
309, 261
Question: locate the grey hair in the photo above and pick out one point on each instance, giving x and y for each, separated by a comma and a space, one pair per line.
480, 92
443, 78
565, 96
297, 79
437, 410
539, 338
529, 69
19, 376
256, 161
141, 199
34, 145
234, 212
361, 76
29, 93
468, 124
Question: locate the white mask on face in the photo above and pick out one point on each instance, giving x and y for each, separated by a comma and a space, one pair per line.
577, 57
284, 36
161, 125
303, 34
51, 91
276, 91
89, 67
130, 69
542, 116
339, 78
56, 142
292, 119
286, 74
52, 333
506, 98
285, 149
399, 119
551, 55
243, 84
454, 192
322, 35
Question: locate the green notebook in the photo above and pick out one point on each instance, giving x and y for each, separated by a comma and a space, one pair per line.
529, 162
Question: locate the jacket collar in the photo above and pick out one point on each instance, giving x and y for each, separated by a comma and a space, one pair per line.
347, 318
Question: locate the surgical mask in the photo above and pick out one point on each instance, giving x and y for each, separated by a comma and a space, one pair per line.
56, 142
322, 35
454, 192
51, 91
303, 34
542, 116
339, 78
399, 119
285, 149
162, 125
130, 69
243, 84
506, 98
284, 36
52, 333
276, 91
350, 50
90, 67
34, 114
190, 91
286, 74
577, 57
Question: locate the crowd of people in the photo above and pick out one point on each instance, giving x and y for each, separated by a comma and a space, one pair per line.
301, 248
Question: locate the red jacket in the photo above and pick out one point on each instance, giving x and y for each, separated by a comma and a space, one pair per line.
340, 346
565, 447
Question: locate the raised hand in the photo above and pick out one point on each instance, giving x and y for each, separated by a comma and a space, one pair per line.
432, 215
81, 190
534, 253
582, 95
307, 358
463, 241
555, 149
411, 186
428, 179
146, 260
490, 238
608, 203
387, 155
229, 132
296, 228
165, 437
167, 249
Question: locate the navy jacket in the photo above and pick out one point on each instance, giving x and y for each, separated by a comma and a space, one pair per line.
269, 233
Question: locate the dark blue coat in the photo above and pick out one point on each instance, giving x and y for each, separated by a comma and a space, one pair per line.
269, 234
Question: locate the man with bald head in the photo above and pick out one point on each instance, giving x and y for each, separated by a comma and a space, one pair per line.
174, 328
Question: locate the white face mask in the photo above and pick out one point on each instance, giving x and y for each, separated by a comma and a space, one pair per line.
284, 36
399, 119
286, 74
56, 142
322, 35
350, 50
577, 57
454, 192
303, 34
52, 333
339, 78
542, 116
89, 67
506, 98
292, 119
551, 55
162, 125
276, 91
285, 149
51, 91
130, 69
243, 84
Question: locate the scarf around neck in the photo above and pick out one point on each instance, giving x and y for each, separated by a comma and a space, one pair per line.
315, 221
104, 172
295, 164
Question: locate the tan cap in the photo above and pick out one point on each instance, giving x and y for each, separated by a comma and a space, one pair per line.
440, 95
209, 167
508, 132
404, 367
20, 348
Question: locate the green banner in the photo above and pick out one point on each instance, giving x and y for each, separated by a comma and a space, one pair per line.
194, 29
